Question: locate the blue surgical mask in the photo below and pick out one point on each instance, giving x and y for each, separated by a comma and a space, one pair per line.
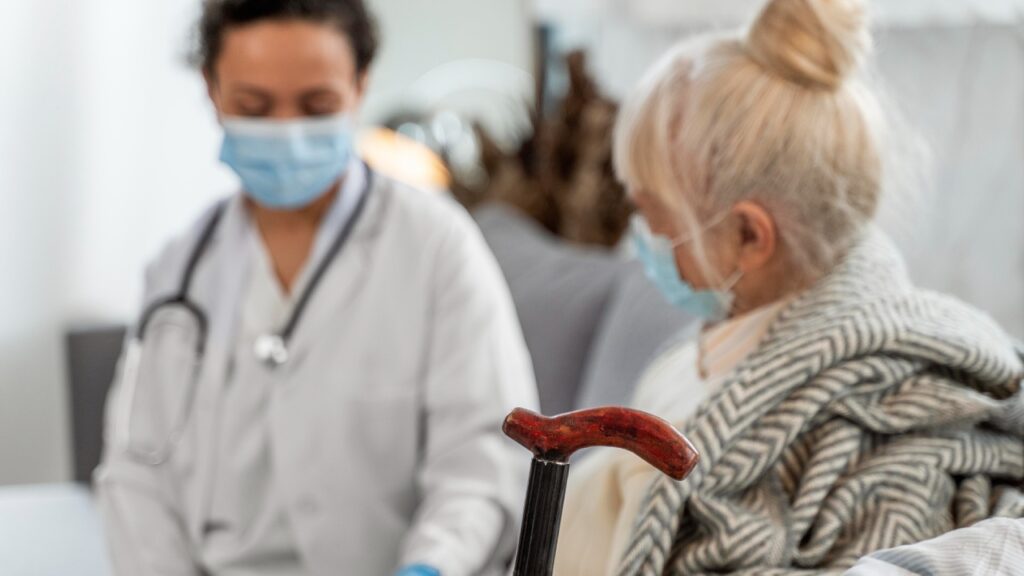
657, 253
288, 164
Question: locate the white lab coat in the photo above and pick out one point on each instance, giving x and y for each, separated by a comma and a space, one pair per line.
385, 422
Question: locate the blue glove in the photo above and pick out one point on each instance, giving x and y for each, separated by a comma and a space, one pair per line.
418, 570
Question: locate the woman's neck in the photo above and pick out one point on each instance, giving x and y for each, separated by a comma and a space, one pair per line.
313, 214
767, 286
289, 235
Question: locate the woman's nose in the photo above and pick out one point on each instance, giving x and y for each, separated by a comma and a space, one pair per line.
286, 111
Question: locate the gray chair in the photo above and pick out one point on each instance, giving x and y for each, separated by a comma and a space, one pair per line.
591, 320
92, 353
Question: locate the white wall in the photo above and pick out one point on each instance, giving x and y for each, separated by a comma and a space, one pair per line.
36, 76
108, 146
957, 71
105, 148
963, 89
420, 36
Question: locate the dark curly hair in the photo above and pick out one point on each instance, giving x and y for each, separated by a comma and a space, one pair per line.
351, 17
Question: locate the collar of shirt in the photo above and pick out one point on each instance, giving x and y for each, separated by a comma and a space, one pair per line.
342, 210
723, 346
352, 190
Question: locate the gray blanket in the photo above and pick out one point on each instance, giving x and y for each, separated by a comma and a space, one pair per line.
872, 415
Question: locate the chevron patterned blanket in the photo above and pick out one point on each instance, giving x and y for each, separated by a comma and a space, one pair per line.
872, 415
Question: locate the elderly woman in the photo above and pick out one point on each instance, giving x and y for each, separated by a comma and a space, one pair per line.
838, 409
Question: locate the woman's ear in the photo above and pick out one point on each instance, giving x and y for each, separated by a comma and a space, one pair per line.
363, 83
758, 236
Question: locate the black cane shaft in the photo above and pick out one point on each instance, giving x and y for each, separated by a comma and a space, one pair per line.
541, 518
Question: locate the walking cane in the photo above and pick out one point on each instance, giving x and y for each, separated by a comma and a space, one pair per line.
554, 440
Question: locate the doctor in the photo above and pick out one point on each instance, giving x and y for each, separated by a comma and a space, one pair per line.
317, 383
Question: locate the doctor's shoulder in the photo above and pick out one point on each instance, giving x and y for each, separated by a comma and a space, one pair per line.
431, 218
163, 270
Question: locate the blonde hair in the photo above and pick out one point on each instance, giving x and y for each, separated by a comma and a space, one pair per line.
780, 117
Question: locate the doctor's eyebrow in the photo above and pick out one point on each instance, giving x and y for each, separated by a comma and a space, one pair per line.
251, 88
249, 91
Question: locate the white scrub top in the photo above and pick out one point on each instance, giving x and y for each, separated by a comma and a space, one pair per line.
247, 532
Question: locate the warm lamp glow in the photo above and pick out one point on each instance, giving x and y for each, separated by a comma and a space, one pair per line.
403, 159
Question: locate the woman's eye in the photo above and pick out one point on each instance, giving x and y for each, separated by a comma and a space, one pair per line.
322, 105
252, 107
253, 111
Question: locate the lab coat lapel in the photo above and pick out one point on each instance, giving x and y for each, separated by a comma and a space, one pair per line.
341, 284
300, 449
220, 289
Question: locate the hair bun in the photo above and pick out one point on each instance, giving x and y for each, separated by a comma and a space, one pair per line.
814, 43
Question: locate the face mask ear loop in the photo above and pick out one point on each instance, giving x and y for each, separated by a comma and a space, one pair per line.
687, 238
726, 295
733, 280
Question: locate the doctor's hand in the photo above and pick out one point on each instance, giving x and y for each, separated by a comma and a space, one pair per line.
418, 570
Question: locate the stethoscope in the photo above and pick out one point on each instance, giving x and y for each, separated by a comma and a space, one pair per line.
270, 349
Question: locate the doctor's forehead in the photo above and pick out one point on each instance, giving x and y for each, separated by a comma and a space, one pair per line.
285, 54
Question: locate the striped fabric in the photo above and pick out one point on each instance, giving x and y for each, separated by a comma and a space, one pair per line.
871, 416
994, 548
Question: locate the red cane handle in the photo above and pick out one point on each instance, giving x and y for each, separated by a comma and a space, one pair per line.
647, 436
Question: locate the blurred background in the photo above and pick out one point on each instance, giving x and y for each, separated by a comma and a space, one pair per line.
108, 146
